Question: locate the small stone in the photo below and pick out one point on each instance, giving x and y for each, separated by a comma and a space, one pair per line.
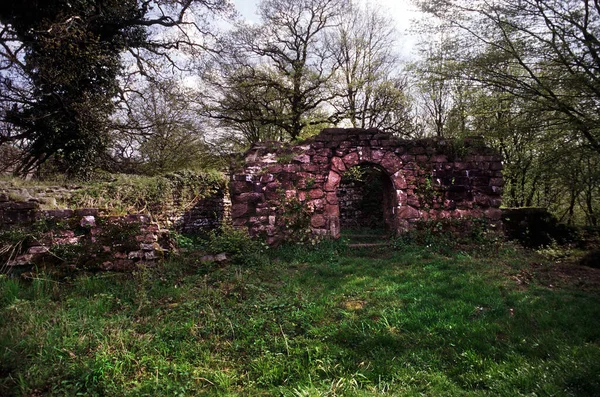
88, 221
222, 257
147, 247
38, 249
135, 254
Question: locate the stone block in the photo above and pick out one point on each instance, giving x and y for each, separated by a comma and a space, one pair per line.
239, 210
320, 160
337, 164
266, 178
318, 221
332, 198
407, 212
58, 214
301, 159
250, 198
147, 247
333, 180
331, 210
86, 212
351, 159
316, 194
87, 221
37, 250
135, 255
310, 167
493, 214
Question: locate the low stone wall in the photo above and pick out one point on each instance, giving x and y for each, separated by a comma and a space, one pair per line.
197, 215
35, 230
83, 239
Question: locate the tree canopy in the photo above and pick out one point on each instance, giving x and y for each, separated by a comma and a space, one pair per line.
60, 62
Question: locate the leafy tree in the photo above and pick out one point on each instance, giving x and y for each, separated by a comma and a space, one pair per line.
546, 51
160, 132
245, 108
60, 62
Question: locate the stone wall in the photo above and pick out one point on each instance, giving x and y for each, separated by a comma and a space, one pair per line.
83, 239
429, 179
37, 228
19, 204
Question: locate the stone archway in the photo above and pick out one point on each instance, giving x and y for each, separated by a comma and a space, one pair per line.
366, 199
430, 179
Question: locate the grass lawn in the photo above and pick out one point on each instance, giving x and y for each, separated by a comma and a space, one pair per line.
324, 321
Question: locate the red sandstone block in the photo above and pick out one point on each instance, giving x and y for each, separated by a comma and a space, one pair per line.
310, 167
320, 160
316, 194
250, 198
318, 204
38, 249
238, 210
266, 178
238, 222
331, 210
332, 198
302, 159
291, 168
493, 213
333, 180
407, 212
337, 164
86, 212
318, 221
351, 159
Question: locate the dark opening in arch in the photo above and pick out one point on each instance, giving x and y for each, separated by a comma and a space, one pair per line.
365, 199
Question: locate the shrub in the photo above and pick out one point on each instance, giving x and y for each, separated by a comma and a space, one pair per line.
237, 243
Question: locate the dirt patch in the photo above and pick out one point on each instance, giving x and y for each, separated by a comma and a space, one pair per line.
567, 274
354, 305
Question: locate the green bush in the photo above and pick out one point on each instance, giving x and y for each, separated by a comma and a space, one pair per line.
237, 243
155, 195
447, 235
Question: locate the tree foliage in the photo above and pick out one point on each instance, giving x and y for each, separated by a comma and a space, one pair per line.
544, 51
59, 67
371, 89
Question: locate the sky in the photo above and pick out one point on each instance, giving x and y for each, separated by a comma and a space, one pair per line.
402, 11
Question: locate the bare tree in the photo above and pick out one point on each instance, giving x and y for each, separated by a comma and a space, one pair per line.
285, 61
372, 91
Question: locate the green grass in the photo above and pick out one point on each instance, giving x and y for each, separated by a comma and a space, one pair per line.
327, 321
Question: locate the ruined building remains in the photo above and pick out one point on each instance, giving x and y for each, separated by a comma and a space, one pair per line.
276, 187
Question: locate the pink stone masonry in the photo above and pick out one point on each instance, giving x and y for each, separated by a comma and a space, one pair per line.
430, 179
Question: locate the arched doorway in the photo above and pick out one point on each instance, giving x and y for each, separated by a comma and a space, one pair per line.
366, 201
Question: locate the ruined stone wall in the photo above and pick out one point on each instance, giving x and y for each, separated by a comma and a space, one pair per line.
82, 239
37, 228
429, 179
22, 205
